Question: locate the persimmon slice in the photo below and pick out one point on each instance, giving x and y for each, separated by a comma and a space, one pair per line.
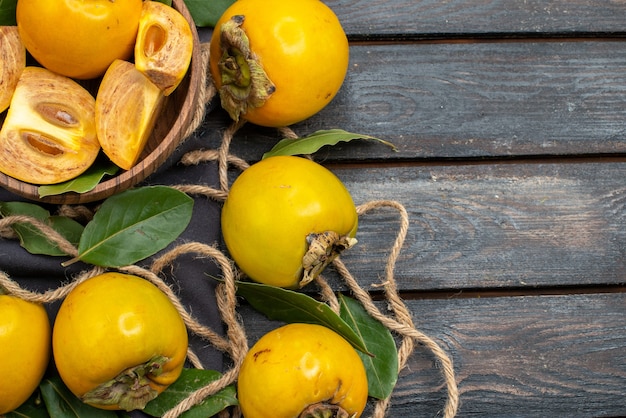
127, 106
49, 134
164, 45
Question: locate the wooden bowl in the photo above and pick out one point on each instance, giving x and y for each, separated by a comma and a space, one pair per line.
168, 133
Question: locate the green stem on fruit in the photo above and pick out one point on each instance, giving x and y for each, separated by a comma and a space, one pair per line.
244, 82
325, 410
323, 249
130, 389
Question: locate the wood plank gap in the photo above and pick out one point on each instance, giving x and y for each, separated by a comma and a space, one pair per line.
492, 37
379, 295
429, 162
508, 292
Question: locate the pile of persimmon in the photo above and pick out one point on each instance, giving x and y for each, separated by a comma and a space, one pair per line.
136, 51
117, 343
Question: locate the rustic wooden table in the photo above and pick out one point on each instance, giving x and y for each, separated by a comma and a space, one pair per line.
509, 122
508, 118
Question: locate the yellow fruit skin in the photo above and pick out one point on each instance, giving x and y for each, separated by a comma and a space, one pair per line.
112, 322
49, 134
24, 350
164, 45
297, 365
12, 63
302, 48
272, 207
77, 38
127, 106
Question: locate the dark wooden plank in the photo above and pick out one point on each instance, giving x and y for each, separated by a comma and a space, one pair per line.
514, 357
470, 100
493, 226
384, 18
433, 19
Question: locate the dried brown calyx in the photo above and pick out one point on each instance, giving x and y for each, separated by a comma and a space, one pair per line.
325, 410
322, 250
244, 82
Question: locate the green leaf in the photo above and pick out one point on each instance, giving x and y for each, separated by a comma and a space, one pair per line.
382, 367
189, 381
32, 408
168, 2
31, 238
61, 403
23, 208
81, 184
7, 12
207, 13
134, 225
68, 228
313, 142
290, 306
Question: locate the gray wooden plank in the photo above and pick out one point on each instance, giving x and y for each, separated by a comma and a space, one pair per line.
432, 19
492, 226
528, 356
384, 18
469, 100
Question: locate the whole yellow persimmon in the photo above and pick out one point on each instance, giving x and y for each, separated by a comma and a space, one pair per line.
78, 38
302, 370
118, 341
278, 62
24, 350
285, 219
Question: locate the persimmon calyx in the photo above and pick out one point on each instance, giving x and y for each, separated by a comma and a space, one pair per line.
130, 389
325, 410
244, 82
322, 250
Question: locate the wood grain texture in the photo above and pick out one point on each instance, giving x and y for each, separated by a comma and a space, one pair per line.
484, 99
471, 100
508, 118
544, 356
432, 18
498, 226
